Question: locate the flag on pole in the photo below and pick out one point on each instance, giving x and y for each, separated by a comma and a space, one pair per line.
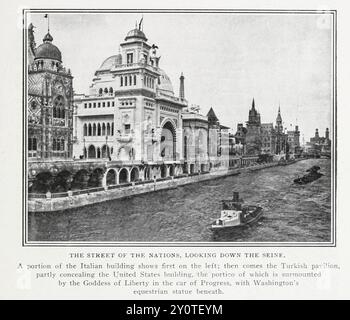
46, 16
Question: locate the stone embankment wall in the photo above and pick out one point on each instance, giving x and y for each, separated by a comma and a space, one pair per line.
75, 201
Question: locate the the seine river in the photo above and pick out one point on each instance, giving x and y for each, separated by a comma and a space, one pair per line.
291, 213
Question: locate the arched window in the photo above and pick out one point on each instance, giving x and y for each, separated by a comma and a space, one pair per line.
58, 107
106, 90
85, 129
111, 90
100, 91
90, 130
108, 129
103, 129
32, 144
121, 81
130, 80
94, 129
54, 144
62, 145
126, 80
134, 79
98, 129
112, 133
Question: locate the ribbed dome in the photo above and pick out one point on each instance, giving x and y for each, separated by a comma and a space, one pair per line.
111, 62
47, 50
165, 84
135, 33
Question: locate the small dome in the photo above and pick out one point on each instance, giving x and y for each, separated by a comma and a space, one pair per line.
111, 62
47, 50
165, 84
135, 33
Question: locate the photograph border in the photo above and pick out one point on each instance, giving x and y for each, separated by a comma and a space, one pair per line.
24, 198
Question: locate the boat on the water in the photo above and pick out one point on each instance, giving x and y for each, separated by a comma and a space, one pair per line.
235, 214
312, 175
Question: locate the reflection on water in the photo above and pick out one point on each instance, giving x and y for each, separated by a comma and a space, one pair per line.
291, 213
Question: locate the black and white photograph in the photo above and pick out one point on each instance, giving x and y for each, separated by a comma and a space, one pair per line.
179, 127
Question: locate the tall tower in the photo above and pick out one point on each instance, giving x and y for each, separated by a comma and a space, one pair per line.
50, 103
254, 116
253, 136
327, 134
182, 87
279, 124
317, 134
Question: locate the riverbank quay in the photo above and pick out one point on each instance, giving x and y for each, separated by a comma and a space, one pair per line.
79, 198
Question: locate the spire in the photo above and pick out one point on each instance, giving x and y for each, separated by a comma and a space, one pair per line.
253, 104
182, 87
279, 117
212, 118
48, 37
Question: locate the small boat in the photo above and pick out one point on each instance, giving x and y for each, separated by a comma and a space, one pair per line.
312, 175
235, 214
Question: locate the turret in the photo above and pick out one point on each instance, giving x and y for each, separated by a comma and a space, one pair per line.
182, 87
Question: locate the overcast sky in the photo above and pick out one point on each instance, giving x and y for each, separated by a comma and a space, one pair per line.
227, 59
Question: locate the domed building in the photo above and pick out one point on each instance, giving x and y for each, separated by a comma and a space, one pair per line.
132, 115
50, 101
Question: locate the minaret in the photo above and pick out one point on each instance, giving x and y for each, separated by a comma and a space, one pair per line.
316, 134
182, 87
327, 133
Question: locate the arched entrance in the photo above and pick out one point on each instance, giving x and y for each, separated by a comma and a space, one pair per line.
42, 182
192, 168
171, 171
168, 142
91, 152
123, 176
96, 178
105, 151
163, 171
134, 174
111, 178
62, 182
80, 180
147, 173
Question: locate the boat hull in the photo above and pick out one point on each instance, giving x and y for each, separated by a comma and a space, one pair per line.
308, 178
254, 216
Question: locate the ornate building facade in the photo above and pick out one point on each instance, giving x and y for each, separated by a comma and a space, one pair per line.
50, 102
265, 138
131, 113
132, 118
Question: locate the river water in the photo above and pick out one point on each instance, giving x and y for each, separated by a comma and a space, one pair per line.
291, 213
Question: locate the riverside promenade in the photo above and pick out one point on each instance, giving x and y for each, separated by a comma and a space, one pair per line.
57, 202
